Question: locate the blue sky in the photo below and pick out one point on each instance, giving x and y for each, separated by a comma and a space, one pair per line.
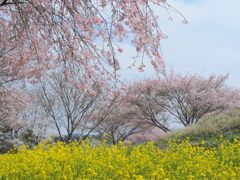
208, 44
191, 1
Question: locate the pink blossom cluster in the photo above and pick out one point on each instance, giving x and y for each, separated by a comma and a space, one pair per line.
39, 35
185, 98
12, 102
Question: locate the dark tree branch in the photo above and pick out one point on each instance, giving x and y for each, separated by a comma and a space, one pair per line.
5, 3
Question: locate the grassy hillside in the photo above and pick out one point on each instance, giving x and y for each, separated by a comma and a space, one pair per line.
211, 129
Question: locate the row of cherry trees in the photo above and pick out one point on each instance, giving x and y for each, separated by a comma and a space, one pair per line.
72, 111
140, 107
120, 113
174, 97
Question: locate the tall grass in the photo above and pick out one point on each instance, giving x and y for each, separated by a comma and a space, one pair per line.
209, 129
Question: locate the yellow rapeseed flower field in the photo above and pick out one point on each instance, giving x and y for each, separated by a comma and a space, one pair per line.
84, 161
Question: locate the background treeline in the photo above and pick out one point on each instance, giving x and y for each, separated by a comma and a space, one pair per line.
132, 111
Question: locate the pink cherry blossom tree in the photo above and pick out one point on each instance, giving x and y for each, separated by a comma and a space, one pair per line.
121, 121
183, 98
188, 98
38, 35
141, 95
12, 104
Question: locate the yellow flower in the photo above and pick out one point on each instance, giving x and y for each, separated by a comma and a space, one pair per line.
119, 173
110, 167
145, 161
120, 143
139, 177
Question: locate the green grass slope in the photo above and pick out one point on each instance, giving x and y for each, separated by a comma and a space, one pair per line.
223, 126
